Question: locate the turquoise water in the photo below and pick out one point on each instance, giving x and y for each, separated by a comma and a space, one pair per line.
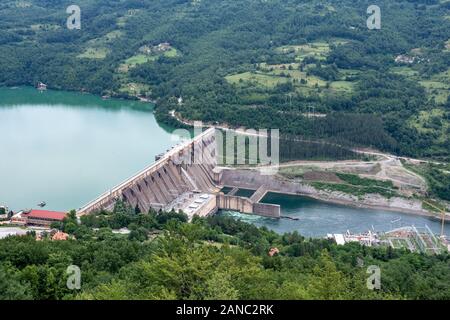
317, 218
68, 148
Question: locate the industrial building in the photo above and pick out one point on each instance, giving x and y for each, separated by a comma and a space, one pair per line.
40, 218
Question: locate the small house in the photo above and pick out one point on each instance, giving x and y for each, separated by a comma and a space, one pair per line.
41, 86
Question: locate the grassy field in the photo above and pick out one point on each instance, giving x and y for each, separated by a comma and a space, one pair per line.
438, 87
258, 79
349, 72
105, 40
438, 90
94, 53
99, 48
172, 53
342, 86
268, 76
140, 58
342, 182
358, 191
303, 83
432, 122
134, 88
437, 177
355, 180
271, 75
405, 71
318, 50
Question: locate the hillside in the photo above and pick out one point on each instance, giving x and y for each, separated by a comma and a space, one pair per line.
163, 257
253, 63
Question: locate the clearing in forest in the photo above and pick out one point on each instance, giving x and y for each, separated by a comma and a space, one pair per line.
432, 122
147, 54
99, 48
317, 50
94, 53
298, 73
135, 88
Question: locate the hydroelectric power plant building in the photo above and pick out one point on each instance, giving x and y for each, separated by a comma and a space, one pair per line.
188, 178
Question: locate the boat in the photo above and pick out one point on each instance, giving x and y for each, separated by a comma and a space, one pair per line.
396, 220
3, 210
41, 86
42, 204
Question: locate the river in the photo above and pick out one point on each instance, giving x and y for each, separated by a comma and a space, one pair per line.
67, 148
318, 218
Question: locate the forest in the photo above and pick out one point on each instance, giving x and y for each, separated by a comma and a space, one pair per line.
164, 257
252, 63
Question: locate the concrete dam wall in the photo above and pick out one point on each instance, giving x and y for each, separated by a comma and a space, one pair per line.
185, 168
186, 178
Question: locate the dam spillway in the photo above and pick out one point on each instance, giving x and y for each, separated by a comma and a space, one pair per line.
186, 178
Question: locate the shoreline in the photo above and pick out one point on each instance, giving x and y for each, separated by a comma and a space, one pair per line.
323, 196
317, 195
328, 198
348, 203
251, 179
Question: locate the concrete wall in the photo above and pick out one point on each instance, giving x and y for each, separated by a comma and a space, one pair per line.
267, 210
234, 203
185, 168
163, 181
252, 179
209, 208
245, 205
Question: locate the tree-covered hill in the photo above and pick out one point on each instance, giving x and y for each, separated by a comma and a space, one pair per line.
215, 258
255, 63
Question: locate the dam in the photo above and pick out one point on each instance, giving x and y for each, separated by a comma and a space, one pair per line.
186, 178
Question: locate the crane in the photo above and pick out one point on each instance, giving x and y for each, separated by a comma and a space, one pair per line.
443, 216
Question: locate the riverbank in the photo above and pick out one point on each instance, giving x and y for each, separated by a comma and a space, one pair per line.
252, 179
343, 200
31, 95
316, 218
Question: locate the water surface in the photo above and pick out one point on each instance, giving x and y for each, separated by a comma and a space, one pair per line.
317, 218
68, 148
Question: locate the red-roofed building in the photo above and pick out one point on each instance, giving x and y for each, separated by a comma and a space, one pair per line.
42, 218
